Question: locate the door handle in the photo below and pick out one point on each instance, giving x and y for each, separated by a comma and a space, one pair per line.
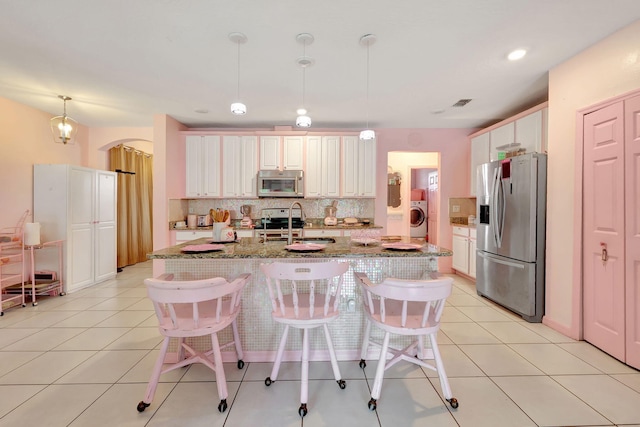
499, 261
604, 255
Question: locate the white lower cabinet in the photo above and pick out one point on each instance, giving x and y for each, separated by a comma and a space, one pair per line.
322, 233
472, 252
77, 205
185, 236
244, 233
464, 250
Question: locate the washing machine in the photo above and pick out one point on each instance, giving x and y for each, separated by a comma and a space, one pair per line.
418, 215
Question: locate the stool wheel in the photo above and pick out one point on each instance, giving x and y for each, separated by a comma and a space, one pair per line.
142, 406
302, 411
268, 381
240, 364
363, 364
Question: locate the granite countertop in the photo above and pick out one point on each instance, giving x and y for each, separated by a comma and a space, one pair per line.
311, 224
254, 248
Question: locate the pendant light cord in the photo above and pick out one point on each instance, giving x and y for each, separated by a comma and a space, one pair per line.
238, 97
304, 72
368, 85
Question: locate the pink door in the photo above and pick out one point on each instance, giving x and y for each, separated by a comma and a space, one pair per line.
632, 261
603, 222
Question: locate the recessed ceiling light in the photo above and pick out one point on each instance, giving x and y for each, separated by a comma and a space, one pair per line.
301, 111
517, 54
202, 111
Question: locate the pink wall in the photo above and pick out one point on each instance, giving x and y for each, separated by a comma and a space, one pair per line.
454, 149
25, 139
606, 69
168, 178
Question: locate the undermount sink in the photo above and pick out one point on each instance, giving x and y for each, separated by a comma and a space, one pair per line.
318, 240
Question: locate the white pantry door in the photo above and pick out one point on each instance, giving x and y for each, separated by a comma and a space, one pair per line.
632, 226
603, 230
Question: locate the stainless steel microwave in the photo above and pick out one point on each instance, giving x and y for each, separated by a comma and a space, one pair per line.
286, 183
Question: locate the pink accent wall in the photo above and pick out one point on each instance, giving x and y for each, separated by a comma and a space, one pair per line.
25, 139
453, 146
168, 178
605, 70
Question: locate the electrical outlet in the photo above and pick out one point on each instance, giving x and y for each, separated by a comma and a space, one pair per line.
456, 208
191, 210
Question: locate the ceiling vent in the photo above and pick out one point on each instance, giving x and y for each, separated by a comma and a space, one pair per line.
461, 103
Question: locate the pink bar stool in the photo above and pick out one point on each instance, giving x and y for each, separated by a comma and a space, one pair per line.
194, 308
405, 307
305, 296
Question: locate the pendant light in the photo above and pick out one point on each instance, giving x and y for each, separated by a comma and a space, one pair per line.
303, 120
367, 40
63, 127
238, 108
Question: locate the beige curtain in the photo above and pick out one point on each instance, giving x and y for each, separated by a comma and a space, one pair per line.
135, 213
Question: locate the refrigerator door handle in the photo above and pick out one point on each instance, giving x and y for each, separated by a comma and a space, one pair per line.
493, 208
504, 207
499, 261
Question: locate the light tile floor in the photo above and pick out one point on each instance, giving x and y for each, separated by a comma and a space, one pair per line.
84, 360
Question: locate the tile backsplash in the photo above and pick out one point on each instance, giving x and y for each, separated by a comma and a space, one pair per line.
460, 208
313, 208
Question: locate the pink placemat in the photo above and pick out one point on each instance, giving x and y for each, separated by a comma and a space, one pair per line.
202, 248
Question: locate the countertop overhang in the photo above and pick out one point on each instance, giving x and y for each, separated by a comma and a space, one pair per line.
254, 248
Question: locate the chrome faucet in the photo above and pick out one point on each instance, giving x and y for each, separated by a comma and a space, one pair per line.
290, 237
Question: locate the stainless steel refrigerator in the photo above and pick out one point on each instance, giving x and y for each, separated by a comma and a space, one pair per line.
511, 218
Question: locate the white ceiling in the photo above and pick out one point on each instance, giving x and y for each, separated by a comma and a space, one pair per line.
124, 61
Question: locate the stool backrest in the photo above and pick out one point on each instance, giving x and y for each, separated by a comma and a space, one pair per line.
428, 295
188, 303
293, 287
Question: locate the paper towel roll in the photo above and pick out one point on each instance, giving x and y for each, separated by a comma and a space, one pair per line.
32, 234
192, 221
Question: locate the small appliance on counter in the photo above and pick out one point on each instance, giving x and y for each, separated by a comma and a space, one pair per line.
246, 222
192, 220
204, 220
330, 215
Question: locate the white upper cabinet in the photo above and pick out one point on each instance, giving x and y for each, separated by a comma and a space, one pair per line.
502, 140
293, 153
269, 152
358, 168
202, 166
280, 153
322, 174
239, 166
528, 133
479, 155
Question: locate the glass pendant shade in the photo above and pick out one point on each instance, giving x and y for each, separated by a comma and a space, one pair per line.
303, 121
367, 135
63, 127
238, 108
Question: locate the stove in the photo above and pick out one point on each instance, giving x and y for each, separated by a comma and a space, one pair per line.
274, 224
278, 219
